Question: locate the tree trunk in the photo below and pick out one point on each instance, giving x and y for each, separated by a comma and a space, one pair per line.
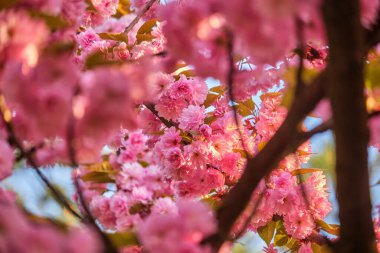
346, 92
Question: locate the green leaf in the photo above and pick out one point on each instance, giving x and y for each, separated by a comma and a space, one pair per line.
290, 78
249, 104
210, 119
58, 48
53, 22
97, 177
147, 27
114, 36
320, 248
242, 110
143, 164
333, 229
217, 89
266, 232
144, 37
212, 201
281, 238
136, 208
123, 8
98, 59
372, 74
123, 239
305, 171
241, 151
292, 244
239, 248
104, 166
211, 98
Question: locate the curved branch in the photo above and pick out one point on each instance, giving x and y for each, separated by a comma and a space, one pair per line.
139, 16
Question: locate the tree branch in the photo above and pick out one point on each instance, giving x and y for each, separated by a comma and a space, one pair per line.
109, 247
139, 16
166, 122
346, 92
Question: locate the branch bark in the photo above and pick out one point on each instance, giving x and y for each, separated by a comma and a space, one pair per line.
346, 92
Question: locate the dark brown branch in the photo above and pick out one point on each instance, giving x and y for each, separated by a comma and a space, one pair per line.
260, 165
230, 83
139, 16
346, 93
166, 122
109, 247
300, 85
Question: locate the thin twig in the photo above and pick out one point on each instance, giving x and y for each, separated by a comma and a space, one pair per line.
250, 217
166, 122
139, 16
109, 247
300, 85
29, 157
230, 82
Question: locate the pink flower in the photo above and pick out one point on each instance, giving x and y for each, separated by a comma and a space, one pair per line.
270, 249
205, 130
105, 7
140, 4
305, 248
21, 37
174, 158
191, 118
169, 107
374, 126
142, 194
101, 209
6, 159
170, 139
368, 11
164, 206
299, 224
187, 229
323, 110
42, 96
119, 204
196, 154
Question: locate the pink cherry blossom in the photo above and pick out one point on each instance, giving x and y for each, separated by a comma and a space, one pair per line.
191, 118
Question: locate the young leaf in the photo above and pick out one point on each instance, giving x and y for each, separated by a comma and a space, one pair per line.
211, 98
266, 232
281, 238
333, 229
217, 89
97, 177
100, 167
144, 37
320, 248
304, 171
123, 239
249, 104
114, 36
53, 22
210, 119
242, 110
147, 27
